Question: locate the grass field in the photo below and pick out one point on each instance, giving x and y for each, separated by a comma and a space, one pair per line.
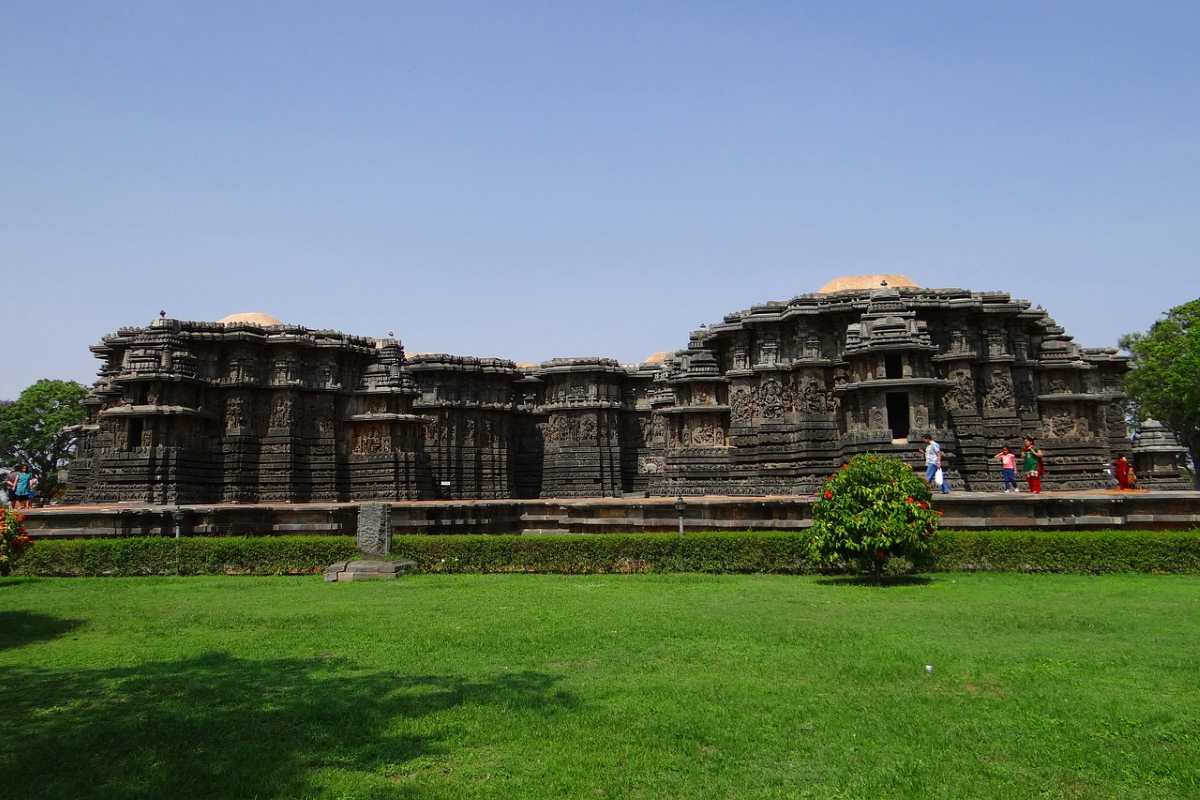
680, 686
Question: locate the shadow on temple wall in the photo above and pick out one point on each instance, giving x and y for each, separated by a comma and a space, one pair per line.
221, 726
19, 628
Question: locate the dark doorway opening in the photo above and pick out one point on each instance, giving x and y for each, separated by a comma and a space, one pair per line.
897, 411
133, 436
893, 365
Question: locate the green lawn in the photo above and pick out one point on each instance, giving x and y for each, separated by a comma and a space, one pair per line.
683, 686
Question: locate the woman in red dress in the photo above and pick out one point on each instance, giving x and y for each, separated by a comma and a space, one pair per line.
1122, 472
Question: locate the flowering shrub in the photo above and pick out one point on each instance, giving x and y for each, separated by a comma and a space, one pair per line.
13, 539
874, 508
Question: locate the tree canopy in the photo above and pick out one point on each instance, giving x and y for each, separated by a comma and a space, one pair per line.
31, 427
1163, 381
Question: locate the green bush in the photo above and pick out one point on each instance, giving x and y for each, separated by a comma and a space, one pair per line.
758, 552
13, 538
872, 509
153, 555
1068, 551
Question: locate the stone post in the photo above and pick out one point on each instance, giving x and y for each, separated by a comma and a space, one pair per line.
374, 535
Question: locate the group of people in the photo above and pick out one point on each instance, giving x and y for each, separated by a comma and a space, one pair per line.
1030, 462
1032, 466
18, 486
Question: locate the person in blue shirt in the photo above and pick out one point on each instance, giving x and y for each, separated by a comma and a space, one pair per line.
22, 487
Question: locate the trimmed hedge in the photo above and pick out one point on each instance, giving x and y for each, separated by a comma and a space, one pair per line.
157, 555
758, 552
1069, 551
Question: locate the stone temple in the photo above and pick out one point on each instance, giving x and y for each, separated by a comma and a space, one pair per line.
769, 400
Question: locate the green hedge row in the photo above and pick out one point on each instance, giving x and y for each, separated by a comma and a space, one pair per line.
156, 555
1005, 551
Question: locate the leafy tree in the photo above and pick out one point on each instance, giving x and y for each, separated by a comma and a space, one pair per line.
1163, 381
31, 428
874, 508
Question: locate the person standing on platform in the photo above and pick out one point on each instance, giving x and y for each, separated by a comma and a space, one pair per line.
22, 487
1123, 472
1031, 465
933, 465
1008, 469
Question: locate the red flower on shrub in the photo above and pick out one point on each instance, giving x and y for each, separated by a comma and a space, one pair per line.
922, 504
909, 500
828, 494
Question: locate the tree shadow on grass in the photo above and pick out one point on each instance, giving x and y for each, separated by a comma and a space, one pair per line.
12, 580
19, 628
887, 582
220, 726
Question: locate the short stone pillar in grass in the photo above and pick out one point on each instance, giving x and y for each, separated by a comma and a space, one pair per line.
874, 508
374, 534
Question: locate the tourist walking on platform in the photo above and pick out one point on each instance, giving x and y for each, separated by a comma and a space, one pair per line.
934, 475
1031, 465
1008, 469
1123, 471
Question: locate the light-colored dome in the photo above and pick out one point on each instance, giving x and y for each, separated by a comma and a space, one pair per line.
253, 318
850, 283
657, 358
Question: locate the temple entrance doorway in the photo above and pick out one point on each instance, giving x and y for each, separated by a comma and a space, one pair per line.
897, 415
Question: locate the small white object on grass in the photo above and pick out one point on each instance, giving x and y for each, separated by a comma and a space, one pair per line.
929, 667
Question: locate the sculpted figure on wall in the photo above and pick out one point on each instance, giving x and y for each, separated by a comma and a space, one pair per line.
707, 434
1026, 399
1059, 386
371, 439
235, 413
770, 399
742, 405
920, 416
587, 428
811, 399
961, 396
1000, 392
281, 412
658, 431
1060, 425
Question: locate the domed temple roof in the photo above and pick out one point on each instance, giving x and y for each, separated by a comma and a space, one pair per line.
251, 317
853, 283
657, 358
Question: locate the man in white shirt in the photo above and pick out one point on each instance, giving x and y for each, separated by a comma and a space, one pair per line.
933, 463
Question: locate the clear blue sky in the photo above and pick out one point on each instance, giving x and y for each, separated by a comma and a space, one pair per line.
533, 180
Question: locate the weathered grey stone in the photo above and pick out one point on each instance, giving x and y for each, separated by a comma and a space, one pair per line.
368, 570
374, 535
769, 400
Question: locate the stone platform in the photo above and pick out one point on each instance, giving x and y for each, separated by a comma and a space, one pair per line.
1084, 509
367, 570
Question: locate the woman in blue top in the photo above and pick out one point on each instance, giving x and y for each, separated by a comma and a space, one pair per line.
22, 490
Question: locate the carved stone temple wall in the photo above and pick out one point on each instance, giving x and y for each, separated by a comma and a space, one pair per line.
768, 401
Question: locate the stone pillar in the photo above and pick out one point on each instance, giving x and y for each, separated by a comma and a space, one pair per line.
374, 534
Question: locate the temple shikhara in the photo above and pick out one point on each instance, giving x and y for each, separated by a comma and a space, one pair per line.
767, 401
